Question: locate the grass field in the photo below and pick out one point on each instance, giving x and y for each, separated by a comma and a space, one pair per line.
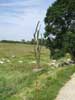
18, 81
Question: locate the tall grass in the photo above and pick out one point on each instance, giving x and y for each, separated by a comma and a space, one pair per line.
18, 81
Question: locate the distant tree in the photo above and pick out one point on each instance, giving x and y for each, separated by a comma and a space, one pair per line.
32, 41
41, 41
23, 41
10, 41
60, 28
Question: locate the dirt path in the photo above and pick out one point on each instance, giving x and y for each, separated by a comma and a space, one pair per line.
68, 91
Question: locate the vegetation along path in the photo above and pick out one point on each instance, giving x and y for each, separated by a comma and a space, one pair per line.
68, 91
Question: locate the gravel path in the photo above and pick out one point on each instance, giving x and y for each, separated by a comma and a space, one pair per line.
68, 91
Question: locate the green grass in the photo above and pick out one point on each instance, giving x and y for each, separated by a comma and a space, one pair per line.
19, 82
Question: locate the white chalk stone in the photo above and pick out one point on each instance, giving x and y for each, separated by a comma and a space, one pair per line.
33, 62
68, 60
3, 59
37, 69
53, 61
13, 56
8, 60
1, 62
20, 61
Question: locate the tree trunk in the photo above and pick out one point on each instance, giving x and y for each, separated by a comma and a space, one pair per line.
73, 56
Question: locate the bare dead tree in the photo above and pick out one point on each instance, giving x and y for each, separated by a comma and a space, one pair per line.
37, 46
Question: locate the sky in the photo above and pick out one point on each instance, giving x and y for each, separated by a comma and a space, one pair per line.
18, 18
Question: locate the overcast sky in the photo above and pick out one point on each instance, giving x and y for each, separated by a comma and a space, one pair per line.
18, 18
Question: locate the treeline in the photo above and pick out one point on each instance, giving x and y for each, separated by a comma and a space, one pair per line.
41, 41
9, 41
